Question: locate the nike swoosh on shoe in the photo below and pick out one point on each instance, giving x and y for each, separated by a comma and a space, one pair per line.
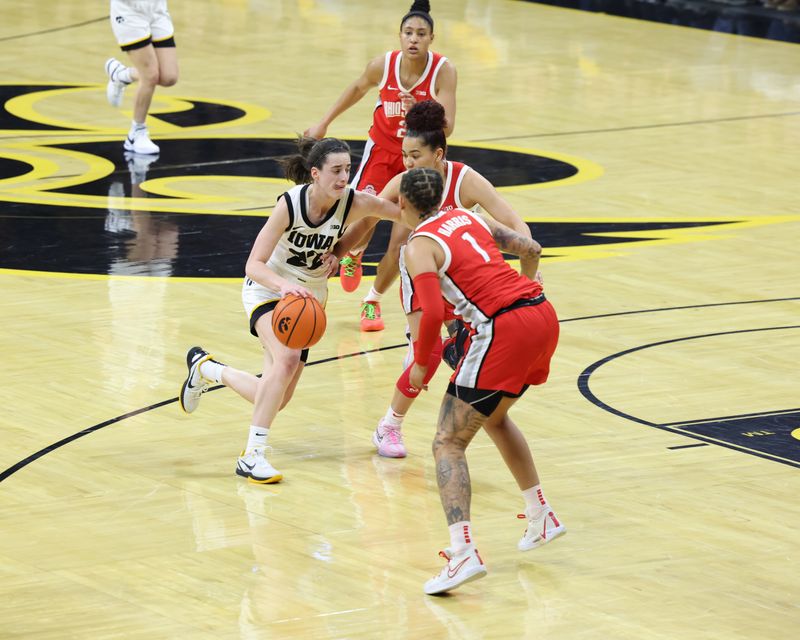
451, 573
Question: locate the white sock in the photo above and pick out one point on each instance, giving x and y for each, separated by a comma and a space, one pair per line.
212, 370
534, 499
393, 419
123, 75
460, 537
373, 296
258, 437
136, 126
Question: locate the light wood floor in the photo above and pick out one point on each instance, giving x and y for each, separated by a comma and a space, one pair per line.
140, 529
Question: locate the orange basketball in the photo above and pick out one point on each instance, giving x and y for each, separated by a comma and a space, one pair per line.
298, 322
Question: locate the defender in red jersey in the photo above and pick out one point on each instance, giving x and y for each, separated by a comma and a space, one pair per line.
425, 146
453, 255
404, 77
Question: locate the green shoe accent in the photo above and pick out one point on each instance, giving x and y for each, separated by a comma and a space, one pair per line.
368, 311
349, 265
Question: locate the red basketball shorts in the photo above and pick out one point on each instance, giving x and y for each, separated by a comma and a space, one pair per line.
510, 351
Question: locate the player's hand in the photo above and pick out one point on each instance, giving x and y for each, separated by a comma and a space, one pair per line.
296, 289
316, 131
416, 376
331, 263
407, 101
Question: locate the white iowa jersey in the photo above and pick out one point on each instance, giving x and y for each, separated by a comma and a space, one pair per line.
298, 254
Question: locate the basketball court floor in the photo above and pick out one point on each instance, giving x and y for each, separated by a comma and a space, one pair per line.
656, 164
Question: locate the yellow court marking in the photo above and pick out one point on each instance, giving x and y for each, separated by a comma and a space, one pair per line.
587, 169
164, 187
96, 167
25, 107
41, 168
682, 235
32, 190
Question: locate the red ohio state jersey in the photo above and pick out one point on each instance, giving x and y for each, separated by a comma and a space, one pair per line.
389, 118
474, 277
454, 174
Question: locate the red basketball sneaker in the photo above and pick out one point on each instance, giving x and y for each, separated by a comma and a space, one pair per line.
371, 316
350, 271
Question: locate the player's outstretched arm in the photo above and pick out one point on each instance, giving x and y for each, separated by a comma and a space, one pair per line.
365, 213
351, 95
510, 241
475, 189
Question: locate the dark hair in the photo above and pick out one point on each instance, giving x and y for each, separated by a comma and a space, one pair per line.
426, 120
311, 153
423, 189
420, 9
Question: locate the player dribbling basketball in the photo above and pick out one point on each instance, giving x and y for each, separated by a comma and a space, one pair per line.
291, 255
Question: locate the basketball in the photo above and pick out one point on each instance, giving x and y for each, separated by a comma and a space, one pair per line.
298, 322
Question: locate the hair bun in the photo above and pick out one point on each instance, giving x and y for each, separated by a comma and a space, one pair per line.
426, 116
421, 5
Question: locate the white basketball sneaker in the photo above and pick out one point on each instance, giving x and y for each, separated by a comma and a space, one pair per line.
115, 86
138, 165
460, 569
118, 221
195, 384
139, 141
543, 526
254, 466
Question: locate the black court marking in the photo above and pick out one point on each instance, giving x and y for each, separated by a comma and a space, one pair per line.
688, 446
685, 123
731, 431
10, 122
680, 308
10, 168
32, 458
113, 241
54, 29
85, 432
260, 157
207, 113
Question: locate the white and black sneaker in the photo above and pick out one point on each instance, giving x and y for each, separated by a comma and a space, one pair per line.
195, 384
115, 86
138, 141
138, 165
254, 466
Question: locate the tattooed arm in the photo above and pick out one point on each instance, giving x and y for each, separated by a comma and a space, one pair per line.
510, 241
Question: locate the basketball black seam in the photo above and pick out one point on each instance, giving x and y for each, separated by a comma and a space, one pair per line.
313, 327
294, 325
276, 316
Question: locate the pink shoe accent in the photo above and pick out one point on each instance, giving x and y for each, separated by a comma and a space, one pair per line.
389, 441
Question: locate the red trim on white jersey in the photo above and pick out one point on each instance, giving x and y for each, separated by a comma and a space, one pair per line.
454, 175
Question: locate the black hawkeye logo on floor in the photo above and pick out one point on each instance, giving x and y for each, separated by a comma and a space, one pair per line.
88, 222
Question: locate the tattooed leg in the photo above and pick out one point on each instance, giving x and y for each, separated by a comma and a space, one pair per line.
458, 424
